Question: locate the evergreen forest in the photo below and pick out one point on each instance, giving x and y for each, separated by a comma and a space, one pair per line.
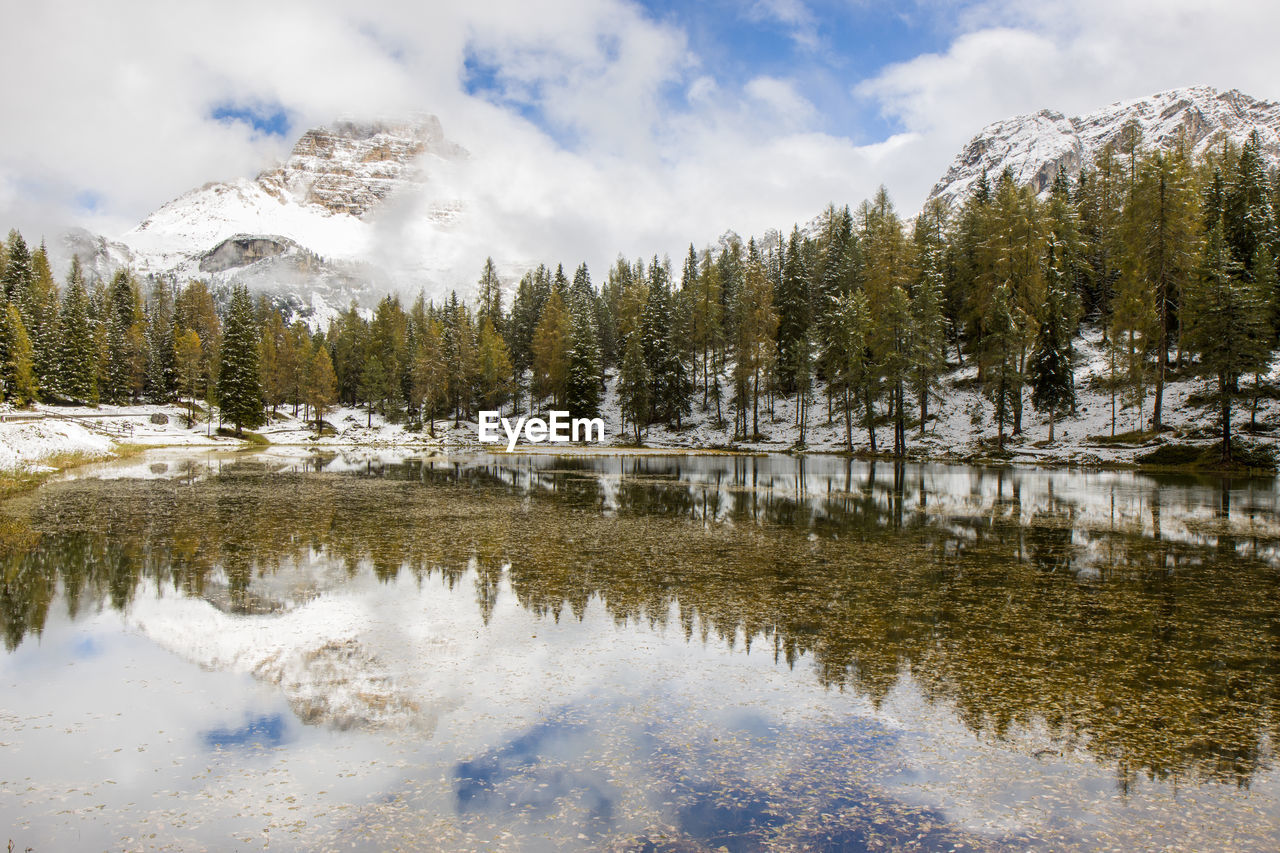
858, 317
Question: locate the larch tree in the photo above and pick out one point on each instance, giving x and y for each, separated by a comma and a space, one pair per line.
494, 367
551, 351
17, 372
322, 385
187, 356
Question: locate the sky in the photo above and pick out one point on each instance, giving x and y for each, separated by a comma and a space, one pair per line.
596, 127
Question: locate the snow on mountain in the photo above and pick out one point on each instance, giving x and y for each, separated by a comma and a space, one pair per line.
1034, 146
312, 225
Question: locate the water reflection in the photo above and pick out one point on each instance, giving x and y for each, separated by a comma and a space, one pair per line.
1130, 619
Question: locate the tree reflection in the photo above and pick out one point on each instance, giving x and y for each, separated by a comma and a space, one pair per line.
1015, 606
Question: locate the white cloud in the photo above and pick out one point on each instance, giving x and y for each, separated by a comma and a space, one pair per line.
649, 147
1019, 56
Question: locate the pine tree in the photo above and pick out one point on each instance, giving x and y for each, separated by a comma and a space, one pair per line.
126, 354
928, 320
239, 383
794, 306
1052, 376
17, 374
39, 311
1248, 218
1004, 336
77, 364
1227, 326
633, 384
756, 332
490, 298
584, 381
161, 371
373, 382
429, 373
18, 275
852, 371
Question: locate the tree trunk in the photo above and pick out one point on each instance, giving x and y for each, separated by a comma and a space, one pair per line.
755, 405
870, 418
1223, 387
848, 421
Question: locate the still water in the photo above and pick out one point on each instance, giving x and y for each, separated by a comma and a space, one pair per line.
637, 653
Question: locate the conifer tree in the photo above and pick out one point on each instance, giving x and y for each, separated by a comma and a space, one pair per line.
161, 378
39, 311
633, 384
126, 355
187, 357
1004, 337
17, 374
494, 367
756, 333
273, 362
239, 383
1161, 239
706, 330
429, 373
851, 366
77, 363
16, 281
551, 351
348, 343
928, 319
794, 306
1227, 326
490, 298
525, 313
1052, 377
373, 383
1248, 218
194, 309
322, 385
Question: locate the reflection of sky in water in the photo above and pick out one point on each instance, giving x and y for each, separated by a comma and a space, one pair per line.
180, 719
264, 730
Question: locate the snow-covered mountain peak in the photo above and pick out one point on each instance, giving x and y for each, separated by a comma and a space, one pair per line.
1035, 145
321, 197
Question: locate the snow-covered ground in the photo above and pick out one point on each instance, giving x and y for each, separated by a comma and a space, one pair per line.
961, 426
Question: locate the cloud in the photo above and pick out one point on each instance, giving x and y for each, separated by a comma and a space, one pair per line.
801, 24
595, 127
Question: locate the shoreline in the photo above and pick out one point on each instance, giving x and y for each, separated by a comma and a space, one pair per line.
50, 438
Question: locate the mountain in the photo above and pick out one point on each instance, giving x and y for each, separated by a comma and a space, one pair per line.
1035, 145
309, 228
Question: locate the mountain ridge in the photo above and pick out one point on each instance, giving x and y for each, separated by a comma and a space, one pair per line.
1034, 145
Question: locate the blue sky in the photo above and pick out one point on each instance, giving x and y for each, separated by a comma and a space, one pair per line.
824, 46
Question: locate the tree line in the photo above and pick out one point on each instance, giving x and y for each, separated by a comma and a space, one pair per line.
1171, 256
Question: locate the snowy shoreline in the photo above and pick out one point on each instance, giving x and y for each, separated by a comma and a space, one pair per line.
959, 430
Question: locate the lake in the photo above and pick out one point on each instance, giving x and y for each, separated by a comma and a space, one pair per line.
637, 653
